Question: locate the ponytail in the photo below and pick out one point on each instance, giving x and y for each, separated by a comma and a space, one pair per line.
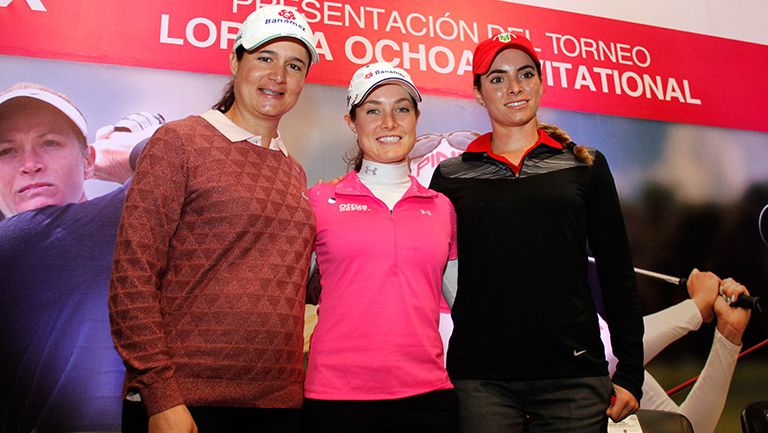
562, 137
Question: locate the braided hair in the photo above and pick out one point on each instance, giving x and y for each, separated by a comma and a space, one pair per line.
562, 137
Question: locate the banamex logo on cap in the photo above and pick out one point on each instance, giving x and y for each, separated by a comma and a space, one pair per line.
368, 75
287, 14
390, 71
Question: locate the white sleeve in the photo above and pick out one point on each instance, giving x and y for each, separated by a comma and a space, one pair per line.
451, 281
654, 396
706, 401
667, 325
661, 329
704, 404
312, 263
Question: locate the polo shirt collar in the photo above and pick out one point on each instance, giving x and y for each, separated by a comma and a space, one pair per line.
482, 145
234, 133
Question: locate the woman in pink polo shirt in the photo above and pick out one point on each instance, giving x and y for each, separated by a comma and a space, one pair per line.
383, 241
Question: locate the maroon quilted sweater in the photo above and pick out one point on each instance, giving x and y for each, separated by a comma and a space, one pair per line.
207, 291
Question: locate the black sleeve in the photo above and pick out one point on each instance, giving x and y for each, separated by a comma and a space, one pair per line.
436, 182
313, 287
610, 246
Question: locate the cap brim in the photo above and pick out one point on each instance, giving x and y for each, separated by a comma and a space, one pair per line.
414, 92
250, 44
487, 61
61, 104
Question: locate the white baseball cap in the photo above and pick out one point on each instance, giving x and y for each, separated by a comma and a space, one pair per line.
371, 76
50, 96
274, 21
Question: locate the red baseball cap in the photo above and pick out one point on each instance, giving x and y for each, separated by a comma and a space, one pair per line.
487, 50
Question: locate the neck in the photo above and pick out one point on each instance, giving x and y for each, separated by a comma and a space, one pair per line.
260, 127
378, 173
514, 138
388, 182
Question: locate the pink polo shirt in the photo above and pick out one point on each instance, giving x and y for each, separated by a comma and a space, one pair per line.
377, 333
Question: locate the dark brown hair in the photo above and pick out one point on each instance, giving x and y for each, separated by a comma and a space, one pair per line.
228, 95
562, 137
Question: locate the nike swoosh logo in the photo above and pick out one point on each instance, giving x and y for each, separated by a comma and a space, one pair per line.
578, 353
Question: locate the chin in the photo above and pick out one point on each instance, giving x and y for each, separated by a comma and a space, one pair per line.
38, 203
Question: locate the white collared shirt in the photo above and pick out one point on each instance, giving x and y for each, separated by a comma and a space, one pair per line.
233, 132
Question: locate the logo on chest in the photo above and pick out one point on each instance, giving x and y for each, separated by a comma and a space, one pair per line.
353, 207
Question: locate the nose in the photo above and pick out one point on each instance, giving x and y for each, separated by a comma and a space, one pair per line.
31, 163
388, 120
515, 87
278, 73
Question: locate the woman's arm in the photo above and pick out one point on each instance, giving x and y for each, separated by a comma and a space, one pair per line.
608, 241
150, 217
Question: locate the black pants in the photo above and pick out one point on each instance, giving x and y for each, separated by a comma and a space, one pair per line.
435, 411
538, 406
222, 419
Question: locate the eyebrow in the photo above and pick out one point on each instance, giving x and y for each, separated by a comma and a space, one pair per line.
274, 53
502, 71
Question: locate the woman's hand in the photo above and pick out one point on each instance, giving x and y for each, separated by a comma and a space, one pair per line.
623, 405
174, 420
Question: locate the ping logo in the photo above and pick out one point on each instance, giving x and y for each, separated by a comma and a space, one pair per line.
35, 5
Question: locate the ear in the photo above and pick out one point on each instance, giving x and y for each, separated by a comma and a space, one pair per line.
233, 62
89, 167
542, 85
350, 124
478, 96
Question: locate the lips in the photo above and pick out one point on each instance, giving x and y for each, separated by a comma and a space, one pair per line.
389, 139
271, 92
34, 187
516, 104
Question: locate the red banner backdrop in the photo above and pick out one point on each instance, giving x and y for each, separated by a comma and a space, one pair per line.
591, 64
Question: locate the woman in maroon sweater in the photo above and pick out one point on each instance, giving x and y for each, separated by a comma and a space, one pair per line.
211, 260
